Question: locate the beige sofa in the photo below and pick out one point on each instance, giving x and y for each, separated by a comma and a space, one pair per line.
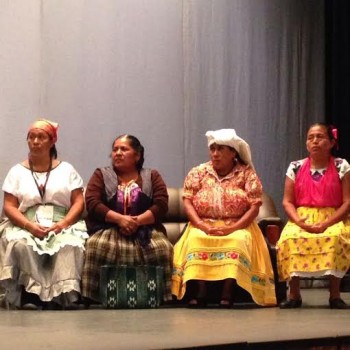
268, 221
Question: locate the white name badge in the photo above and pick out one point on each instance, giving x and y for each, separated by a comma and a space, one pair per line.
44, 215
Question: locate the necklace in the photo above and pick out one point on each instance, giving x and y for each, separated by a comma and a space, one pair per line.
41, 188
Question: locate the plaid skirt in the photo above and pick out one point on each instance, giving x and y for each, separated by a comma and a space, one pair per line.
110, 247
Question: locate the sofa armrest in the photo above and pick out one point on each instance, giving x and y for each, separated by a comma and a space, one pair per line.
271, 228
174, 230
269, 220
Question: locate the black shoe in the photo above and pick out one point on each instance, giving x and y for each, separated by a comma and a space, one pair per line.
29, 306
337, 303
30, 301
291, 304
51, 306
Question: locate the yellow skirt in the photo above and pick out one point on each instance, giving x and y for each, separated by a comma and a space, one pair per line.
241, 255
304, 254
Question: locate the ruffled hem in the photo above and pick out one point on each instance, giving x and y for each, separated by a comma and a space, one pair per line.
53, 242
62, 292
317, 274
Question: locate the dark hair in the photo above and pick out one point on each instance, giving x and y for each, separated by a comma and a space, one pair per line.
136, 146
53, 152
238, 157
329, 129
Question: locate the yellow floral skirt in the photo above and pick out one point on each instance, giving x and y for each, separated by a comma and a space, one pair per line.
304, 254
241, 255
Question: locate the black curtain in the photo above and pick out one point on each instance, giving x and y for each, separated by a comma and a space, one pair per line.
337, 26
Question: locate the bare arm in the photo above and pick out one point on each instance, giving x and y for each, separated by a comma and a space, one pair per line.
74, 213
11, 206
289, 202
290, 206
342, 211
245, 220
191, 213
338, 215
17, 218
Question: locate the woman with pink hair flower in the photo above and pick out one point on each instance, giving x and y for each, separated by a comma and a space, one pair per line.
316, 240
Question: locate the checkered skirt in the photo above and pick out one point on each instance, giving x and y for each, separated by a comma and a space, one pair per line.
110, 247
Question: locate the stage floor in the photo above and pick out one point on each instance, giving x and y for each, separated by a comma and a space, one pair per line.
242, 327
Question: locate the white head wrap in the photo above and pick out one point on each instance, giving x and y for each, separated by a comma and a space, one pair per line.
228, 137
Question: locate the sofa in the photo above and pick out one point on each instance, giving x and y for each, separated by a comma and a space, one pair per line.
268, 221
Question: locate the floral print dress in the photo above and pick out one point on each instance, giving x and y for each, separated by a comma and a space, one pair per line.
241, 255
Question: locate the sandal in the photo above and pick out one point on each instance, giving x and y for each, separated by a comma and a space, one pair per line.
197, 303
225, 304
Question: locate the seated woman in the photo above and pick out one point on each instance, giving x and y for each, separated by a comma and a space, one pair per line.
316, 240
222, 240
125, 204
42, 240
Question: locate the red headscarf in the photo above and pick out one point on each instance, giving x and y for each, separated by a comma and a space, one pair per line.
46, 125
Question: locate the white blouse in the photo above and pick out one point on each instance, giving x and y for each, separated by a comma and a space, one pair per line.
63, 179
341, 165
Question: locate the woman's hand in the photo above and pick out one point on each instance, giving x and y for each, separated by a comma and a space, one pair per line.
201, 225
36, 230
291, 210
219, 231
11, 210
314, 228
301, 222
128, 225
57, 227
319, 228
311, 228
214, 231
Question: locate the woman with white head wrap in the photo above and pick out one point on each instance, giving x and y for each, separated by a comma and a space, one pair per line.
222, 240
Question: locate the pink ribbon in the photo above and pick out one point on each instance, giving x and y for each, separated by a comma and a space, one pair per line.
335, 133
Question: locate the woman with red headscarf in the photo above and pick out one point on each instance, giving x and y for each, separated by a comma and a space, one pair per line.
42, 239
316, 240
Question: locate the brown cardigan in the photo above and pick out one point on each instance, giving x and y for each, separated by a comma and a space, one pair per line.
98, 206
